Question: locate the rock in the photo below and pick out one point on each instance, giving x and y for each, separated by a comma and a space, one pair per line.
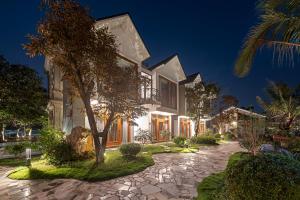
267, 148
81, 140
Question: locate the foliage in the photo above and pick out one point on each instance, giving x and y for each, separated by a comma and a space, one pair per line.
23, 99
266, 176
218, 136
278, 28
252, 136
130, 150
15, 149
228, 136
165, 133
284, 107
199, 100
13, 162
180, 141
211, 187
226, 114
87, 56
114, 166
203, 140
61, 153
169, 148
143, 136
55, 148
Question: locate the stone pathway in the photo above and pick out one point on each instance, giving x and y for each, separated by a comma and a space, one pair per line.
174, 176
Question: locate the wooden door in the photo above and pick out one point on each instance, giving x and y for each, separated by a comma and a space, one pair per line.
185, 128
115, 133
160, 123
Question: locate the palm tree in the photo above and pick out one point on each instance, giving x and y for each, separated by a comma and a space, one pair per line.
279, 28
284, 106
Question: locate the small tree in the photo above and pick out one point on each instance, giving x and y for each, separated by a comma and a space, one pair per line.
225, 116
199, 101
88, 58
251, 136
144, 136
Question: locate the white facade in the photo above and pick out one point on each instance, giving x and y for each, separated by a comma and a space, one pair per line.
167, 77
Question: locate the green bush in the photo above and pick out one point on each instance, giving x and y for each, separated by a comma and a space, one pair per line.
15, 149
130, 150
263, 177
61, 153
218, 136
54, 147
179, 141
203, 140
228, 136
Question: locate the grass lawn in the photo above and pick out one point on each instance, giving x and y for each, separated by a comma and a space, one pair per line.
115, 166
168, 147
212, 186
13, 162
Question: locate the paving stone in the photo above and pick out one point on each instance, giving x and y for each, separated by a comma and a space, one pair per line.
174, 176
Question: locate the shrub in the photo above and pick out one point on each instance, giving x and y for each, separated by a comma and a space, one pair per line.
228, 136
143, 136
203, 140
54, 147
15, 149
218, 136
130, 150
61, 153
180, 141
265, 176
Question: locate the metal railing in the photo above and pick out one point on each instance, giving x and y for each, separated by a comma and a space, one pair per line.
150, 96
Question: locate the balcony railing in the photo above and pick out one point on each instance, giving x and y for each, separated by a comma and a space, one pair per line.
150, 96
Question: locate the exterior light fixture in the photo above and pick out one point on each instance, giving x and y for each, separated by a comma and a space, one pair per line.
28, 156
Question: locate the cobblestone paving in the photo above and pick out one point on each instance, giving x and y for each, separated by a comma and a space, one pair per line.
174, 176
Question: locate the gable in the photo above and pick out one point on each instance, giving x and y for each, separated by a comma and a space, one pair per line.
130, 43
171, 69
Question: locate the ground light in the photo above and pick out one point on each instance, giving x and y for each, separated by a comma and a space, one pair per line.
28, 156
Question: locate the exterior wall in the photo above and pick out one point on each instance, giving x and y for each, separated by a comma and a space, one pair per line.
68, 110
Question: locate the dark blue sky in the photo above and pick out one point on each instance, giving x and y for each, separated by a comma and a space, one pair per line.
207, 35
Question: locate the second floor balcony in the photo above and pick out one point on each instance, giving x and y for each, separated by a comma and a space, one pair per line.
150, 96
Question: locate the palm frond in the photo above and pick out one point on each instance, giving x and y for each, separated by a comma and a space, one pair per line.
279, 28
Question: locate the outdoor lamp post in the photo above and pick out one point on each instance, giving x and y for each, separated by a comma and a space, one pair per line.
28, 156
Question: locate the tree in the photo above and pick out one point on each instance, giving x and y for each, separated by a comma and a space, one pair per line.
279, 27
22, 96
88, 58
199, 100
225, 115
284, 105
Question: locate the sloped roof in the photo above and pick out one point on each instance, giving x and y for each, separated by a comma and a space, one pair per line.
243, 111
190, 78
126, 14
166, 60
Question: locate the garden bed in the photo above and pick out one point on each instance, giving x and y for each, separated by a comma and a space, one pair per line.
114, 166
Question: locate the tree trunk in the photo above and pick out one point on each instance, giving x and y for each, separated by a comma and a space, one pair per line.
3, 132
196, 127
103, 146
93, 126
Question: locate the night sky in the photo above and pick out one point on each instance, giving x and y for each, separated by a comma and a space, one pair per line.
207, 35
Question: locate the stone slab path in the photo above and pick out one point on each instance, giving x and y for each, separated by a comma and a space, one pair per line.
174, 176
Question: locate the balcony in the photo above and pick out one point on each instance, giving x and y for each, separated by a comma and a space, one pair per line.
150, 96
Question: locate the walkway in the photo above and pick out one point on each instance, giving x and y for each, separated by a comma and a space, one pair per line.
174, 176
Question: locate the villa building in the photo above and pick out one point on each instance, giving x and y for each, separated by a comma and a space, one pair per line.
164, 96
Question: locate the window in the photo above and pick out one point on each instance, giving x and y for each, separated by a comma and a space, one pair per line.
168, 92
146, 86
